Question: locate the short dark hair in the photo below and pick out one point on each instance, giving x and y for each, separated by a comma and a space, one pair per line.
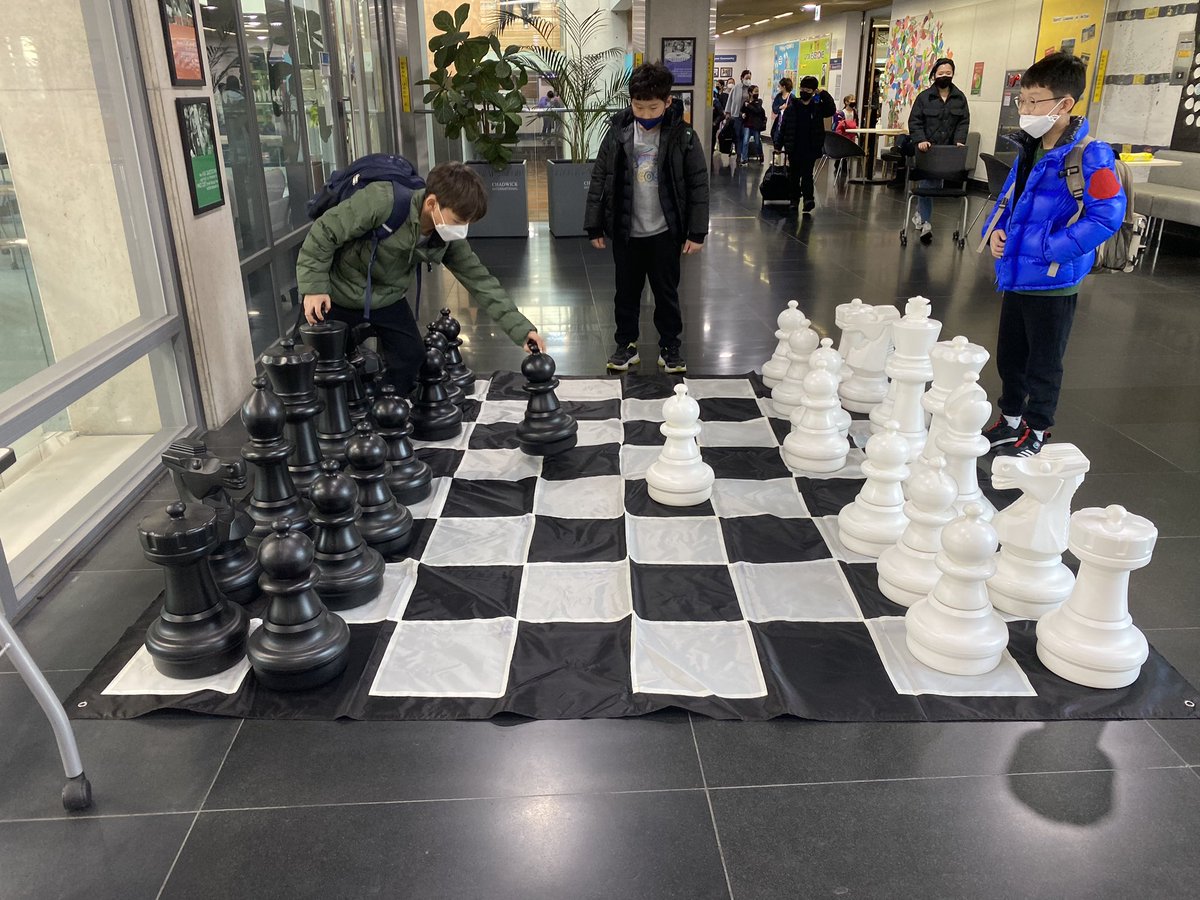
745, 72
549, 93
1063, 74
651, 81
786, 83
942, 61
810, 81
459, 189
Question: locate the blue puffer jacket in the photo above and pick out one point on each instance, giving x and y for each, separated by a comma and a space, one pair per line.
1035, 225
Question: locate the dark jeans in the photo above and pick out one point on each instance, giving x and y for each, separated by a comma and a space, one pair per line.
637, 259
1029, 354
800, 178
400, 340
738, 130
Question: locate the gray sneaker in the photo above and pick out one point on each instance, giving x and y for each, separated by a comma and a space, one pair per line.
623, 358
671, 360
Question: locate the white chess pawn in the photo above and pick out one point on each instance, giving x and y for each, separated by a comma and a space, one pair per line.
867, 385
1091, 639
837, 368
909, 369
816, 443
875, 520
907, 571
843, 316
680, 477
951, 360
954, 629
967, 411
1030, 577
788, 321
785, 396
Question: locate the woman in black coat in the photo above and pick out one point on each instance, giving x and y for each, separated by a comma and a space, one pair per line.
940, 117
754, 121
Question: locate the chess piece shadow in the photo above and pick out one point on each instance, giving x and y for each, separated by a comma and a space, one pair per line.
1090, 798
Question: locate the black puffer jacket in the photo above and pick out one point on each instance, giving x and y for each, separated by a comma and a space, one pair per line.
682, 181
939, 121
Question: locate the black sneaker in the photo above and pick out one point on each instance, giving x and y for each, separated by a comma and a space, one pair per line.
671, 360
1028, 444
1000, 433
623, 358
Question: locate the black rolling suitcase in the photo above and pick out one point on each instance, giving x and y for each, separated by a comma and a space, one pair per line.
774, 187
725, 138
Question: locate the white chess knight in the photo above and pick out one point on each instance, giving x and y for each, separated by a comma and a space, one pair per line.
909, 369
680, 477
962, 443
785, 396
876, 520
867, 385
1091, 639
907, 569
788, 321
954, 629
1030, 577
816, 443
837, 368
843, 316
951, 360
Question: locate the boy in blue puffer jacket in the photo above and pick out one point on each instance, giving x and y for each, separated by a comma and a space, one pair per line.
1041, 255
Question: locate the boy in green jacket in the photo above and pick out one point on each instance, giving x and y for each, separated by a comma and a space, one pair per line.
331, 270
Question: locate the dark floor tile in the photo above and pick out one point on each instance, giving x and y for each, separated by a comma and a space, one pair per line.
963, 837
120, 549
89, 858
276, 763
1164, 593
1183, 735
1181, 647
1123, 405
1107, 449
1178, 442
1171, 500
583, 846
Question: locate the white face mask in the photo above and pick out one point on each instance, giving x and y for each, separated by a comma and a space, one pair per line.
747, 82
1037, 126
449, 232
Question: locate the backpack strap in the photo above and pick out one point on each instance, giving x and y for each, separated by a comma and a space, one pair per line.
401, 201
1001, 205
1072, 171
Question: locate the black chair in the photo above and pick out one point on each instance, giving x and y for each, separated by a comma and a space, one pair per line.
997, 174
938, 163
838, 147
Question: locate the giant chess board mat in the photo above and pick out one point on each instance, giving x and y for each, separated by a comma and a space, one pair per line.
556, 588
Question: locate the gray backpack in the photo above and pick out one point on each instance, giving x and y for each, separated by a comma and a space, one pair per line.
1122, 251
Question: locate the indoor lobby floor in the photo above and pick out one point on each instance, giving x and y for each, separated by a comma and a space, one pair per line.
670, 805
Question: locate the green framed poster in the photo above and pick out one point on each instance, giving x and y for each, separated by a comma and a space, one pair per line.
814, 58
200, 153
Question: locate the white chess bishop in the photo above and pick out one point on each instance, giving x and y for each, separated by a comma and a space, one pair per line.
909, 369
907, 569
867, 385
954, 628
1091, 639
950, 361
788, 321
816, 443
962, 443
680, 477
785, 396
837, 368
876, 520
1030, 577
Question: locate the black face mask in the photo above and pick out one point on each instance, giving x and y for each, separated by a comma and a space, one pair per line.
806, 95
944, 81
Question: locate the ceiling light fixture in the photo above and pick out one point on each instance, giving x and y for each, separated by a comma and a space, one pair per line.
762, 21
741, 28
783, 15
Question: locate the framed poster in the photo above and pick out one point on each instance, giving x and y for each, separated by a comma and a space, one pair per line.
200, 153
679, 55
725, 72
1073, 26
977, 80
686, 98
182, 36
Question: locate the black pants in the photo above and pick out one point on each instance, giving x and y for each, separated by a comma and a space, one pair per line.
637, 259
800, 178
400, 340
1029, 354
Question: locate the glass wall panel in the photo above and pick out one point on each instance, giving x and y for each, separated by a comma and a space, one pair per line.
260, 305
312, 55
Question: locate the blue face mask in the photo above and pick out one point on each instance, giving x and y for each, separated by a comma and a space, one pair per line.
649, 123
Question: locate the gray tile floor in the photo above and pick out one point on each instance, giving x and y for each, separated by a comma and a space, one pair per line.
670, 805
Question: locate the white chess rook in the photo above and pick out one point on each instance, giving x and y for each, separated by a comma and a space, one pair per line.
785, 397
907, 569
876, 520
843, 315
680, 477
954, 628
950, 360
867, 385
909, 369
967, 411
774, 368
837, 368
1091, 639
1030, 577
816, 443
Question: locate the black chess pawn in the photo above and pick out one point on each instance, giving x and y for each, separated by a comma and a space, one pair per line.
384, 524
351, 572
292, 369
274, 495
456, 369
333, 374
547, 428
199, 631
301, 644
437, 340
434, 417
411, 479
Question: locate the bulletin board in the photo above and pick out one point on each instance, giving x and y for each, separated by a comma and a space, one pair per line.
1072, 26
814, 58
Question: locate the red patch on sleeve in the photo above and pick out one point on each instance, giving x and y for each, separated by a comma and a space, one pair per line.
1104, 184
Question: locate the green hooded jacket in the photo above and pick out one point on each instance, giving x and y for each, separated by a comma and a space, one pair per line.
333, 260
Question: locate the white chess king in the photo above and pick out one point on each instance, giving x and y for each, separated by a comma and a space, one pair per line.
680, 477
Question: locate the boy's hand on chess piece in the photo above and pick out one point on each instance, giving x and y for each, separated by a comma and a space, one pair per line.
315, 307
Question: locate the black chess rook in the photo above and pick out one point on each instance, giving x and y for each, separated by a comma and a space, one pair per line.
547, 428
456, 368
434, 417
332, 377
274, 495
411, 479
291, 370
384, 524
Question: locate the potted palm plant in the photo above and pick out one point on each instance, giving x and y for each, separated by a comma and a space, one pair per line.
475, 93
591, 86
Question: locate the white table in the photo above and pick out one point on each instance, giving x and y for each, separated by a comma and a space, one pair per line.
1151, 163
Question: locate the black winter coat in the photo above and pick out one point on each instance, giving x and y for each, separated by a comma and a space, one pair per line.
939, 121
802, 125
682, 181
754, 116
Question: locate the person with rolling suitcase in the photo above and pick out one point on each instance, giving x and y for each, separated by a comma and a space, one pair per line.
776, 187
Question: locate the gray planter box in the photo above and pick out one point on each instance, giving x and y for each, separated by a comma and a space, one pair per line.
508, 201
566, 193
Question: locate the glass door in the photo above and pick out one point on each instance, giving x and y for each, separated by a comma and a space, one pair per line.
362, 76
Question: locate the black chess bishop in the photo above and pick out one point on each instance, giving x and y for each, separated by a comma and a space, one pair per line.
274, 495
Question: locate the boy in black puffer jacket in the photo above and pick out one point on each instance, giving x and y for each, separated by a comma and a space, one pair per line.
649, 196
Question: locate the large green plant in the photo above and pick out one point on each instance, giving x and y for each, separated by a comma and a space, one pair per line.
587, 82
476, 87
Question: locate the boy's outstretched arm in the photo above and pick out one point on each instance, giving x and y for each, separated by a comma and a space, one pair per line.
487, 291
1103, 208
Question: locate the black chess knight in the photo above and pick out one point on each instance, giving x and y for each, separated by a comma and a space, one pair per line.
434, 417
411, 479
291, 370
456, 369
547, 428
332, 377
273, 496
